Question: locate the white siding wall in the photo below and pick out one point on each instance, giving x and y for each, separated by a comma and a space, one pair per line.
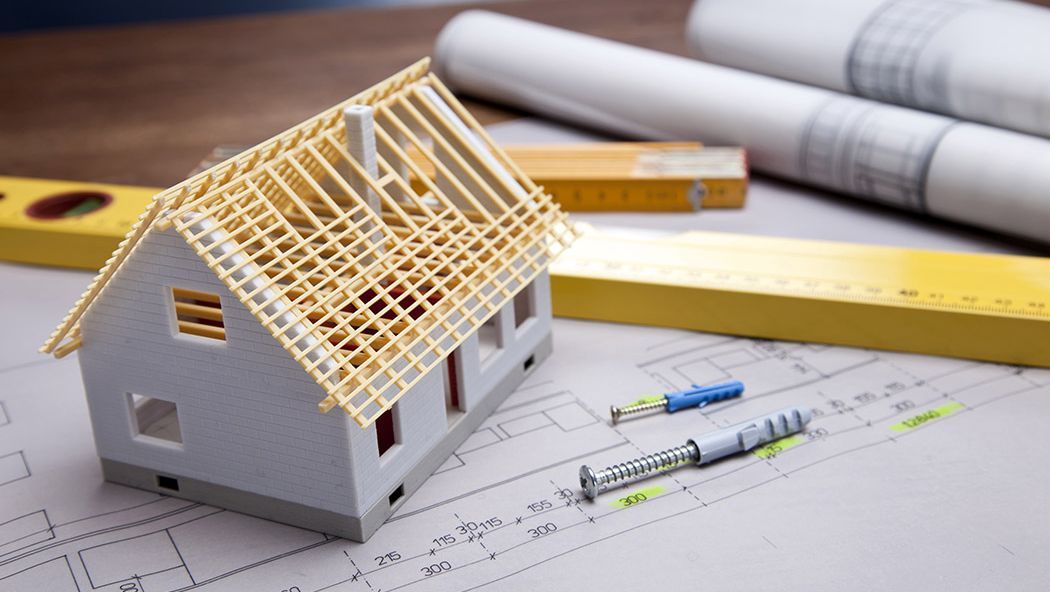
420, 423
516, 345
247, 411
421, 414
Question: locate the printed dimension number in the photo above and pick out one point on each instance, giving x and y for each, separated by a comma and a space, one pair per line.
436, 568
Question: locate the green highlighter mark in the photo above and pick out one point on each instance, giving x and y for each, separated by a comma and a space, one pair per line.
649, 399
927, 416
774, 448
637, 496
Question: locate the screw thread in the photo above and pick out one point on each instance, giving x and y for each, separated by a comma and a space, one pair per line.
640, 466
619, 412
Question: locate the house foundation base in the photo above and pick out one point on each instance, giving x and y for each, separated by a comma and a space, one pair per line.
358, 528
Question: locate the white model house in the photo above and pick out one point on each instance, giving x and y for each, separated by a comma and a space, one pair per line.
320, 269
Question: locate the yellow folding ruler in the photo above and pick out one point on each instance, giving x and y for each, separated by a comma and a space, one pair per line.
632, 176
986, 307
616, 176
637, 176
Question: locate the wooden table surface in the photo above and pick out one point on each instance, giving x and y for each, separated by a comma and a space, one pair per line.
144, 104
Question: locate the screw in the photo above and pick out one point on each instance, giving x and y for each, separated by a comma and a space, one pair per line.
590, 480
619, 412
705, 448
694, 396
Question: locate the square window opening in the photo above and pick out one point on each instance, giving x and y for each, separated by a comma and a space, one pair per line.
155, 419
165, 482
198, 314
396, 495
386, 431
454, 408
529, 363
524, 306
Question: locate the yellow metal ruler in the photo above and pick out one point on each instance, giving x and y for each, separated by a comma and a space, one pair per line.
66, 223
986, 307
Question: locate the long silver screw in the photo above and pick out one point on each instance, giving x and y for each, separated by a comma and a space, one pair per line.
590, 480
619, 413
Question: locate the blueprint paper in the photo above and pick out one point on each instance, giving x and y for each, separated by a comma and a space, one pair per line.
956, 502
980, 60
946, 503
909, 159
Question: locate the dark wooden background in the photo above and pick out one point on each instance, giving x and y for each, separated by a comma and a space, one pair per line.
143, 104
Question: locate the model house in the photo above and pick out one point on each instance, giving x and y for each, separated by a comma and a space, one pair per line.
307, 330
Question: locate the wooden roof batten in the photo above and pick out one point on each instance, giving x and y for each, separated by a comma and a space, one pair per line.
365, 281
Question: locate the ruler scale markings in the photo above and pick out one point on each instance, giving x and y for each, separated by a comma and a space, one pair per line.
780, 283
990, 307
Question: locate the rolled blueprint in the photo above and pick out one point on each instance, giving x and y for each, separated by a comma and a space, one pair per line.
919, 161
981, 60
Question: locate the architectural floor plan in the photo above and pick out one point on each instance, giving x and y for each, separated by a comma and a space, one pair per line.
915, 471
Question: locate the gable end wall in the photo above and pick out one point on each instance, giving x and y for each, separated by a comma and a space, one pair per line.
247, 411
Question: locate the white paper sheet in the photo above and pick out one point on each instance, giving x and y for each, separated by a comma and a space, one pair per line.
910, 159
958, 502
980, 60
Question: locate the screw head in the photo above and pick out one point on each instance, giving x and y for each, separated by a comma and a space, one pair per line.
588, 481
616, 413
